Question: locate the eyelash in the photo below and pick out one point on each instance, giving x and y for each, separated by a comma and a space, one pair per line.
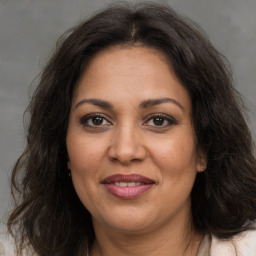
170, 120
84, 120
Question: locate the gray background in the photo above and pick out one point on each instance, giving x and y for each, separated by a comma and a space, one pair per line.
29, 29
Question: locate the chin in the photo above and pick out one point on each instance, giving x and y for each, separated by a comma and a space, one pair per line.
127, 221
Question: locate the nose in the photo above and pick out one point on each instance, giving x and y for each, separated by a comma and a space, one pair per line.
127, 145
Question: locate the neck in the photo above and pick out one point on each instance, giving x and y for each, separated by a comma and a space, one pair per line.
177, 239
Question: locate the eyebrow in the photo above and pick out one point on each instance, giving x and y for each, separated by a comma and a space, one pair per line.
96, 102
154, 102
143, 104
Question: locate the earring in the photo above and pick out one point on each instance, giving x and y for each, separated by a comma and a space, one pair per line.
69, 173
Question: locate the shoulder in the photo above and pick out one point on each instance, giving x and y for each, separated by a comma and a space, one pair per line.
4, 245
243, 244
7, 247
2, 250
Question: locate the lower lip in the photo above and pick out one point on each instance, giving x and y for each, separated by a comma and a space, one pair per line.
127, 192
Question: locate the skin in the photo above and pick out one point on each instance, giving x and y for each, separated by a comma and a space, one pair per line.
129, 140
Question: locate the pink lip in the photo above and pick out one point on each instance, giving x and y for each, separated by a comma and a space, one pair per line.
127, 192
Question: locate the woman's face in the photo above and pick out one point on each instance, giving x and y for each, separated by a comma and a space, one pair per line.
131, 144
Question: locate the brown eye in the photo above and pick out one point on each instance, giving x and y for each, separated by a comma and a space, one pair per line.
97, 120
94, 120
158, 121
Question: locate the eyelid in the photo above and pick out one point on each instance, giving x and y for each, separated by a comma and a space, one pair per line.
169, 118
85, 118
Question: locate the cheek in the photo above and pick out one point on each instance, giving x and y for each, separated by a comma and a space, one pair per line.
177, 153
84, 161
177, 161
84, 153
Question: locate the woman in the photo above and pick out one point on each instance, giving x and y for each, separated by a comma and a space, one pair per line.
137, 144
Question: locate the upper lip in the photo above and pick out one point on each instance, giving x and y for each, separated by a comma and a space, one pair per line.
127, 178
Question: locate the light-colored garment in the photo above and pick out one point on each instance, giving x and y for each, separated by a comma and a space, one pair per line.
2, 250
240, 245
243, 244
205, 246
6, 246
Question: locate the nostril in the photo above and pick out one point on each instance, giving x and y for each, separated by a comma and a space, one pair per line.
126, 145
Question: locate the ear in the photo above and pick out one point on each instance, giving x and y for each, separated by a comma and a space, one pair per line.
201, 161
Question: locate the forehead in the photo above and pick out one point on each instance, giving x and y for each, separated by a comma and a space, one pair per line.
130, 73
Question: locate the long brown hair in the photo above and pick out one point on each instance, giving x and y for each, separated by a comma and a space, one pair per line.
48, 216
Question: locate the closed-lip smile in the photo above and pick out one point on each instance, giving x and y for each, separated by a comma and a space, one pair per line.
127, 186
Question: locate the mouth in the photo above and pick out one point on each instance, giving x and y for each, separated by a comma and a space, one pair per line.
127, 186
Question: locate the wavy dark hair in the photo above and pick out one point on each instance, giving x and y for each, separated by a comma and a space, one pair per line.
48, 216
